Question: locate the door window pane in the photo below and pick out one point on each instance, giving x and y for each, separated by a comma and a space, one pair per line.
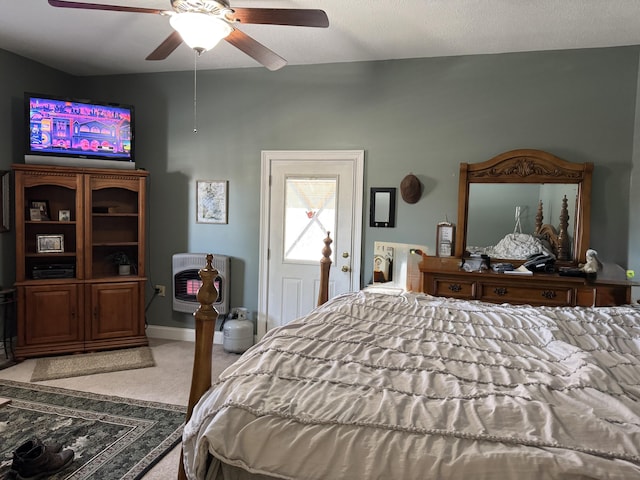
310, 212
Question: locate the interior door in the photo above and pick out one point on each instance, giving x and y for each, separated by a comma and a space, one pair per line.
305, 195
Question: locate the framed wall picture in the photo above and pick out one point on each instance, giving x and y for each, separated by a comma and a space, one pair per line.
445, 237
49, 243
211, 201
43, 206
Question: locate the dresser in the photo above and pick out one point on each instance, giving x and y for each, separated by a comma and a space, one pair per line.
537, 183
442, 277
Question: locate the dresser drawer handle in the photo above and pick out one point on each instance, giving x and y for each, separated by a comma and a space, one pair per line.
500, 291
455, 287
549, 294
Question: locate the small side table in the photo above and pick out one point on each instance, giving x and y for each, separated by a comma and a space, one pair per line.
7, 307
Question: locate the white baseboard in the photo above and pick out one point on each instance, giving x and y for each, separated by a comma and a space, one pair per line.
179, 334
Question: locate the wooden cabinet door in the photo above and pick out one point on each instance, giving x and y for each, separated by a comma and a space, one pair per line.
50, 314
113, 311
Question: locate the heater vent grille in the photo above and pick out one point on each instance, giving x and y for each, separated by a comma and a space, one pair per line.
186, 281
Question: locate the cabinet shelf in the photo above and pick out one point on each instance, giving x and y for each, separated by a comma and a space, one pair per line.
115, 244
49, 222
114, 214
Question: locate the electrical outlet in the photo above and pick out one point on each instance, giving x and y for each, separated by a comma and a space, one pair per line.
161, 290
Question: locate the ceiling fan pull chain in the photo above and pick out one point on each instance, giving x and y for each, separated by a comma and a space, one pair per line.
195, 90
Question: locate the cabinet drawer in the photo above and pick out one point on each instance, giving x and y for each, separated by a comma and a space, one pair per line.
448, 287
536, 295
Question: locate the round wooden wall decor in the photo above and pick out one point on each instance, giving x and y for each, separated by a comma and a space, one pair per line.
410, 188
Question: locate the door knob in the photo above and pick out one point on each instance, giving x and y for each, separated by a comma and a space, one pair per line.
345, 254
345, 268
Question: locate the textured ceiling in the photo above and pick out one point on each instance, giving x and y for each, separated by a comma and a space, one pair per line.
85, 42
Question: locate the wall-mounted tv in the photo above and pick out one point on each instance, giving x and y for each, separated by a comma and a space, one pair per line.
74, 132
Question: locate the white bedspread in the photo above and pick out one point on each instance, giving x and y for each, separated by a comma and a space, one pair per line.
378, 386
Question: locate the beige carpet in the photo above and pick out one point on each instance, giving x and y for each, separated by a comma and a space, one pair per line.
51, 368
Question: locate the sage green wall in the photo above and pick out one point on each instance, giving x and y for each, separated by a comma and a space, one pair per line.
634, 201
19, 75
421, 115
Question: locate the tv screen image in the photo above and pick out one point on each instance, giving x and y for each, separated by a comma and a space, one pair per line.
79, 132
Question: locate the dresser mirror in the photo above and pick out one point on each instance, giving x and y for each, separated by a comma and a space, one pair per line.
522, 197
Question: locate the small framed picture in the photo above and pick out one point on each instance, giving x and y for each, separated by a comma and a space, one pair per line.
50, 243
34, 214
445, 239
43, 206
211, 201
64, 215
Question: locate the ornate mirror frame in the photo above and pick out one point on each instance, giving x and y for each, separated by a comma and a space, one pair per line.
529, 166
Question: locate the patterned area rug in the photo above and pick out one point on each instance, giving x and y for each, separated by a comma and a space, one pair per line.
51, 368
113, 438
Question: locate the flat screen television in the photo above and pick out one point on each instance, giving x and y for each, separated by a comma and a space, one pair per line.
80, 133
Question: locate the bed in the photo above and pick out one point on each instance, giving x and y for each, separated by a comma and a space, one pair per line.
385, 385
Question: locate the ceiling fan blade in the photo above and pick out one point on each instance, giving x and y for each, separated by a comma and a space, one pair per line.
165, 49
281, 16
98, 6
255, 50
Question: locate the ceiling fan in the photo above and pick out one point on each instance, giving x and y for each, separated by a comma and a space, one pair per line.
201, 24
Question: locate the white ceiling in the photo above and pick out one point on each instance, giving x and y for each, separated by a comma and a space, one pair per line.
84, 42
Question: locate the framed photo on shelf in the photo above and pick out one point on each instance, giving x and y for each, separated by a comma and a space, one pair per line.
34, 214
64, 215
43, 206
49, 243
211, 201
445, 239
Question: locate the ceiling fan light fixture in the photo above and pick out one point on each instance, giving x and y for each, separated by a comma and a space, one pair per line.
200, 31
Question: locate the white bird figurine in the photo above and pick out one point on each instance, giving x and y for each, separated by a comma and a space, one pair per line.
593, 264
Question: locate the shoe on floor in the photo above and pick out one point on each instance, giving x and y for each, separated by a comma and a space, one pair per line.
27, 446
41, 461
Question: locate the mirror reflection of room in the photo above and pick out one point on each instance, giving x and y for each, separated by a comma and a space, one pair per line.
494, 219
397, 265
382, 263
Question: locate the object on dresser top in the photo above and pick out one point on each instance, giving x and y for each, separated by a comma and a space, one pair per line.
593, 263
475, 263
521, 270
572, 272
540, 262
502, 267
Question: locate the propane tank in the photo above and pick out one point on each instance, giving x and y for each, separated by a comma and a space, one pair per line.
238, 332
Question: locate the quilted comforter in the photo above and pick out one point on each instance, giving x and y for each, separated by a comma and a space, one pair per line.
408, 386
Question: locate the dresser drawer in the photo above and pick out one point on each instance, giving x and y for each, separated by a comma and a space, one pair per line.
603, 296
453, 287
531, 294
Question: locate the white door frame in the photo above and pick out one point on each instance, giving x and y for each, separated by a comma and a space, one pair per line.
268, 156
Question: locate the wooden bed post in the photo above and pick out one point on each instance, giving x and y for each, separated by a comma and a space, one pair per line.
206, 317
325, 265
564, 250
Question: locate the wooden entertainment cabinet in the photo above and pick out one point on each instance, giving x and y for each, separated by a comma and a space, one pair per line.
70, 295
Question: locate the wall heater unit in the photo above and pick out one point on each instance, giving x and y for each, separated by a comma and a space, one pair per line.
186, 281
